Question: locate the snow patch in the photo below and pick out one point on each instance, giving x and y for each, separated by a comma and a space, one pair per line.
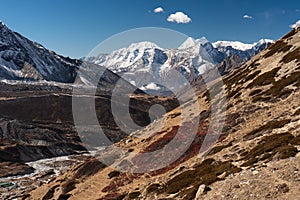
234, 44
239, 45
296, 25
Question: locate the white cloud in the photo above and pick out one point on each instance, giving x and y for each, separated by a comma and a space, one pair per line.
159, 10
297, 24
247, 17
151, 86
180, 18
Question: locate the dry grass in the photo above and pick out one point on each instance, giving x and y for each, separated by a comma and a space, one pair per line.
290, 34
264, 79
133, 195
217, 149
293, 55
50, 193
279, 46
267, 127
255, 92
297, 112
207, 173
113, 174
279, 88
270, 146
153, 188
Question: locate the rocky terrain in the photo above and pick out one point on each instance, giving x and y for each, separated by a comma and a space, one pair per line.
41, 124
37, 88
256, 156
22, 59
36, 122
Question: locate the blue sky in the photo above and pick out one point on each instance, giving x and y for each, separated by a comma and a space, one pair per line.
73, 28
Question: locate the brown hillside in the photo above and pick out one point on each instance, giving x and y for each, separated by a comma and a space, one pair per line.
256, 156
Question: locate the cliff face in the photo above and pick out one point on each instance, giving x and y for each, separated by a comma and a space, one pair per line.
256, 156
22, 59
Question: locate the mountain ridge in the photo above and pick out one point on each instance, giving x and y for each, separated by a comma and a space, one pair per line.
192, 58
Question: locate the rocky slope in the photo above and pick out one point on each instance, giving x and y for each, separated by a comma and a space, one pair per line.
256, 157
22, 59
37, 88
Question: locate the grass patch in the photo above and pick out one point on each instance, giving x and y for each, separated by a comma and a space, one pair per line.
296, 140
255, 92
297, 112
205, 173
293, 55
268, 147
279, 90
236, 77
254, 64
264, 79
290, 34
133, 195
50, 193
113, 174
252, 76
69, 186
260, 98
279, 46
153, 188
88, 168
217, 149
286, 152
268, 126
64, 196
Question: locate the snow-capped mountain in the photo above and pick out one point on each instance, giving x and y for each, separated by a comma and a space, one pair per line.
234, 44
143, 64
128, 59
147, 62
22, 59
241, 46
244, 51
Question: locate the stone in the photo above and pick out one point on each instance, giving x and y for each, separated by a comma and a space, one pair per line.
283, 188
201, 190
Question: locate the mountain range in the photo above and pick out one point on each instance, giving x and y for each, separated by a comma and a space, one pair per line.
147, 61
142, 64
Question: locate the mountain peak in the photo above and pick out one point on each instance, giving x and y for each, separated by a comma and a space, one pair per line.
2, 25
17, 51
191, 42
234, 44
263, 41
202, 40
143, 45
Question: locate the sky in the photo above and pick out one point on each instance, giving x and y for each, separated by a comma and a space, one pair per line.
75, 27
